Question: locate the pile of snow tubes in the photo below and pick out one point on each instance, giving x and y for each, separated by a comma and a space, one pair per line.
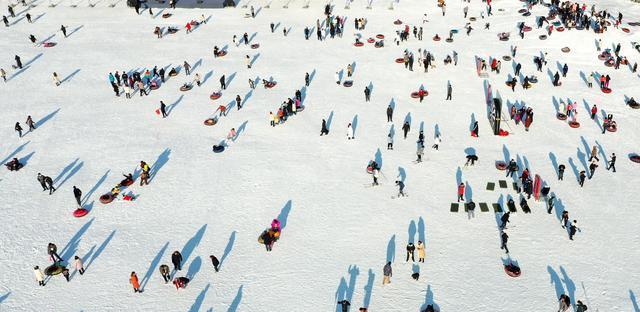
106, 198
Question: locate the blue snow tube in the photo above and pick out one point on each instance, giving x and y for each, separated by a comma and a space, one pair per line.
218, 148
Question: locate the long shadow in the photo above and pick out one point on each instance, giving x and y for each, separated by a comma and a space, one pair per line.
163, 158
254, 59
240, 130
341, 293
70, 249
70, 76
632, 297
158, 14
65, 169
25, 159
192, 243
468, 191
284, 214
354, 124
236, 301
407, 118
100, 249
73, 171
353, 275
329, 120
411, 232
555, 280
391, 249
196, 65
378, 158
506, 154
228, 248
428, 300
35, 58
368, 289
559, 208
602, 153
152, 267
252, 37
194, 268
402, 174
38, 17
4, 297
247, 97
195, 307
458, 176
174, 104
43, 41
584, 78
16, 21
575, 169
230, 79
206, 77
421, 231
554, 163
312, 75
75, 30
569, 285
46, 118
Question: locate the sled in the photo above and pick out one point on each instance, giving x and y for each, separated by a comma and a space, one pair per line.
603, 57
537, 182
186, 88
606, 90
270, 84
503, 133
371, 40
80, 212
473, 19
506, 58
501, 165
172, 30
574, 124
612, 127
218, 148
221, 53
436, 38
415, 95
397, 22
166, 15
454, 31
400, 60
255, 46
565, 50
560, 29
533, 80
358, 44
635, 158
154, 86
523, 11
561, 116
512, 270
215, 95
53, 269
634, 105
526, 14
300, 109
194, 23
509, 83
173, 74
107, 198
449, 40
557, 24
348, 83
542, 37
526, 28
49, 44
609, 63
158, 112
380, 36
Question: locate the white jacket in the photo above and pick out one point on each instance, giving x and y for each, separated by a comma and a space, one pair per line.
437, 140
39, 275
349, 131
78, 264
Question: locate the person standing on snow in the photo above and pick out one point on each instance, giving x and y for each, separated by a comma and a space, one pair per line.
436, 142
505, 219
375, 175
367, 94
400, 185
420, 248
77, 263
389, 142
390, 115
420, 152
564, 303
215, 262
52, 250
223, 83
39, 275
561, 168
65, 273
3, 74
612, 162
504, 238
176, 259
594, 153
306, 79
511, 168
449, 91
573, 228
324, 129
41, 180
387, 272
337, 76
77, 193
565, 70
564, 219
592, 169
133, 280
410, 251
344, 304
461, 188
350, 132
405, 128
163, 109
164, 271
18, 128
594, 111
581, 307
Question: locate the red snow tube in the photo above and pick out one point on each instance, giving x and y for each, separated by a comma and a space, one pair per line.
186, 88
154, 86
166, 15
49, 44
358, 44
436, 38
501, 165
560, 29
215, 95
565, 50
127, 182
81, 212
369, 170
606, 90
635, 158
503, 133
254, 46
625, 29
222, 53
270, 84
612, 128
526, 28
397, 22
561, 116
106, 198
603, 57
371, 40
415, 95
609, 63
400, 60
210, 122
574, 124
194, 23
512, 270
380, 36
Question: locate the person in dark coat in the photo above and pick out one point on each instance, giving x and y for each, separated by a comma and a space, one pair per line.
223, 83
561, 172
52, 250
18, 128
511, 168
18, 62
410, 252
64, 30
367, 94
77, 193
504, 238
345, 305
505, 218
572, 229
405, 128
163, 109
42, 183
324, 129
176, 259
5, 20
612, 162
215, 262
164, 271
49, 182
390, 114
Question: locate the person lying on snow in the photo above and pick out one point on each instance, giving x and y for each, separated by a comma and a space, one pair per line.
128, 180
14, 165
181, 282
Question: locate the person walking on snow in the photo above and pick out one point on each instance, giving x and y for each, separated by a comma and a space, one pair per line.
133, 280
163, 109
389, 142
505, 219
77, 263
39, 275
420, 152
504, 238
573, 228
594, 153
187, 68
350, 132
164, 271
405, 128
223, 83
18, 128
592, 169
176, 259
52, 250
390, 115
612, 162
77, 193
215, 262
400, 185
41, 180
410, 252
376, 174
461, 188
436, 142
367, 94
324, 129
449, 90
511, 168
49, 182
420, 248
387, 272
594, 111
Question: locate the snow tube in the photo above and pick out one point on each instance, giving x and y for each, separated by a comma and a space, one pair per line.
508, 83
606, 90
557, 24
635, 158
634, 106
512, 270
400, 60
126, 182
526, 28
166, 15
608, 63
270, 84
378, 46
369, 170
81, 212
603, 57
358, 44
612, 128
218, 148
397, 22
506, 58
222, 53
526, 14
49, 44
154, 86
560, 29
255, 46
414, 95
194, 23
542, 37
186, 88
371, 40
522, 11
348, 83
503, 133
574, 124
473, 19
561, 116
380, 36
436, 38
53, 269
173, 74
533, 80
172, 30
299, 109
501, 165
215, 95
565, 50
210, 122
106, 198
449, 40
454, 31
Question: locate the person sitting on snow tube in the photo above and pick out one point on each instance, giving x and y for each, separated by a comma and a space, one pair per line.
128, 180
447, 60
14, 165
525, 83
379, 44
181, 282
216, 51
115, 191
173, 72
632, 102
172, 30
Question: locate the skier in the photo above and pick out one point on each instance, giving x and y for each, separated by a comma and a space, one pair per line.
52, 250
164, 271
389, 142
461, 188
505, 218
511, 168
39, 275
324, 129
350, 132
561, 168
223, 84
367, 94
176, 259
410, 251
18, 128
344, 304
390, 114
77, 193
420, 248
387, 272
77, 263
405, 128
215, 262
420, 152
163, 109
133, 280
572, 229
612, 162
400, 185
504, 238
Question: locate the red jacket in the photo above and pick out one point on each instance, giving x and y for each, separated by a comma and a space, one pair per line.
461, 189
